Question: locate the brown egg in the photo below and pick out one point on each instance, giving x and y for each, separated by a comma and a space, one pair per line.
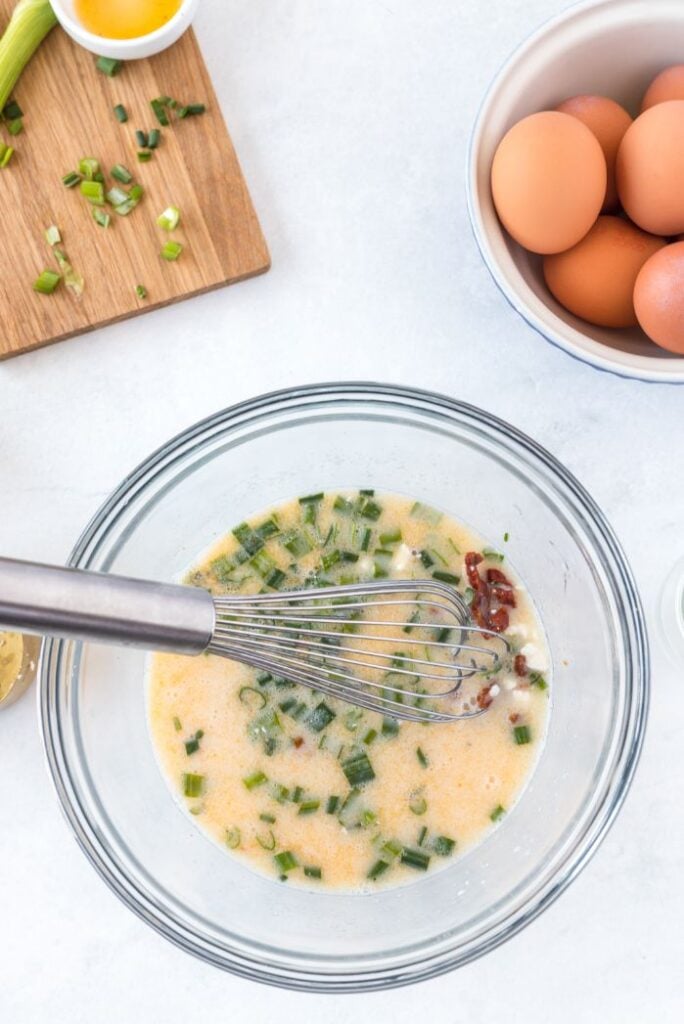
668, 85
595, 279
548, 181
650, 169
659, 298
608, 121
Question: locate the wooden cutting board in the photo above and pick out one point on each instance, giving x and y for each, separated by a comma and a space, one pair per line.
68, 114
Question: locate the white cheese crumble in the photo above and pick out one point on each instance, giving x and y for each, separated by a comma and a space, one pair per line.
534, 657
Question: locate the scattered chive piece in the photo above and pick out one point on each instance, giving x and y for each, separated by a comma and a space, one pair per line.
121, 174
153, 139
193, 744
169, 219
443, 846
267, 842
171, 251
93, 192
497, 813
446, 577
358, 769
177, 723
108, 66
71, 179
141, 139
116, 196
191, 110
254, 780
418, 805
379, 868
492, 555
144, 156
88, 167
422, 759
52, 235
47, 282
252, 697
313, 872
141, 291
521, 734
320, 717
332, 804
233, 838
309, 806
101, 217
135, 192
370, 736
72, 279
6, 154
268, 818
507, 537
11, 111
415, 859
285, 861
390, 726
16, 126
422, 834
159, 112
537, 679
297, 794
193, 785
120, 113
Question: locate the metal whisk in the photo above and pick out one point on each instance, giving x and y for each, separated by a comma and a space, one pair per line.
399, 647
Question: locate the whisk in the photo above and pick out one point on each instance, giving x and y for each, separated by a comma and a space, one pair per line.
400, 647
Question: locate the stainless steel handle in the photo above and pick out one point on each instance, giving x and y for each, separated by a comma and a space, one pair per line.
109, 609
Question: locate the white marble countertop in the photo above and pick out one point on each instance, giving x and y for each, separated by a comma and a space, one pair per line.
351, 119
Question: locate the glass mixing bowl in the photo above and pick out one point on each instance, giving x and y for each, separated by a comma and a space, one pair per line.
482, 471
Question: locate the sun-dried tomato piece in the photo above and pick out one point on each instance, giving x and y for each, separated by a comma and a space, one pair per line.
513, 718
496, 576
298, 741
472, 560
484, 697
504, 595
520, 665
499, 620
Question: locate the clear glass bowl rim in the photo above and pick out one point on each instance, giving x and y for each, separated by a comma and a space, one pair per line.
428, 964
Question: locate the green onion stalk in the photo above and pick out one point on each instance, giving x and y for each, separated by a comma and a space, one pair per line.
30, 22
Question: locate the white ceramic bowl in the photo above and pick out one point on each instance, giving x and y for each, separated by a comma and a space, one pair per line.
125, 49
614, 48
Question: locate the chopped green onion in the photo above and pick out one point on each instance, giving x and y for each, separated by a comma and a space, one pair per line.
108, 66
443, 846
233, 838
538, 680
136, 192
93, 192
320, 717
332, 804
6, 154
191, 110
153, 138
422, 759
366, 539
159, 112
193, 744
52, 235
47, 282
267, 842
313, 872
370, 736
193, 785
370, 509
422, 834
521, 734
171, 251
418, 804
120, 113
297, 794
144, 156
30, 22
497, 813
309, 806
352, 719
141, 291
285, 861
252, 697
390, 726
392, 537
268, 818
493, 556
116, 196
12, 111
177, 723
72, 279
379, 868
358, 769
16, 126
169, 219
89, 167
415, 859
446, 577
101, 217
71, 179
425, 512
141, 138
122, 174
507, 537
391, 848
280, 793
254, 780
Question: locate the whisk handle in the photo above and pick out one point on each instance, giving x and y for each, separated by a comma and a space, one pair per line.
110, 609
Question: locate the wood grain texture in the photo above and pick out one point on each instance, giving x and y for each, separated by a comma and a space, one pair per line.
68, 114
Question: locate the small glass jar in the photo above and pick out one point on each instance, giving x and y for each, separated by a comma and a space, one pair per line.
18, 665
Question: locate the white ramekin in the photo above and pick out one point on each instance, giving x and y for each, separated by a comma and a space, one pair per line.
611, 47
125, 49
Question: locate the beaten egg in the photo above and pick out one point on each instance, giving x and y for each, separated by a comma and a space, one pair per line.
124, 19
